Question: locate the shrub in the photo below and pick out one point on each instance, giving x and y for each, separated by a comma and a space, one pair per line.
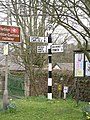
11, 106
86, 112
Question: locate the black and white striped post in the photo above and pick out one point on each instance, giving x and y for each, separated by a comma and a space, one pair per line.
49, 67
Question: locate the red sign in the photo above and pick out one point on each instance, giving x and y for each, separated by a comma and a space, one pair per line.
9, 33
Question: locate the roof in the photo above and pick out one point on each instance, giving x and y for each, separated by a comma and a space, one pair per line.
64, 66
11, 65
56, 67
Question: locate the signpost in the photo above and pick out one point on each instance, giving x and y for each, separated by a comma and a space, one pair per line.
57, 48
54, 49
5, 94
41, 49
9, 33
47, 49
5, 49
49, 67
65, 90
38, 39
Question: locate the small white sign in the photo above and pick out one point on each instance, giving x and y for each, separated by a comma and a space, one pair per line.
6, 49
65, 90
38, 39
54, 49
57, 48
41, 49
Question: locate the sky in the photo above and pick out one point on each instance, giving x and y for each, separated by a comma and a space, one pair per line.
58, 35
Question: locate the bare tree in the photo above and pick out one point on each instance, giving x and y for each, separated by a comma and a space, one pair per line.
74, 16
23, 13
31, 15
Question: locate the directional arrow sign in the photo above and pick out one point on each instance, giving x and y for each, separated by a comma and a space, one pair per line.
54, 48
57, 48
38, 39
41, 49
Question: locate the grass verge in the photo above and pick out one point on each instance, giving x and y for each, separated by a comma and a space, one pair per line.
39, 108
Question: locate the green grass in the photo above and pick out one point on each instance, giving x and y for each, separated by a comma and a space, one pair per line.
39, 108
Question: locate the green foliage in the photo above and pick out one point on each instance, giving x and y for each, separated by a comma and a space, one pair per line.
86, 112
11, 106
